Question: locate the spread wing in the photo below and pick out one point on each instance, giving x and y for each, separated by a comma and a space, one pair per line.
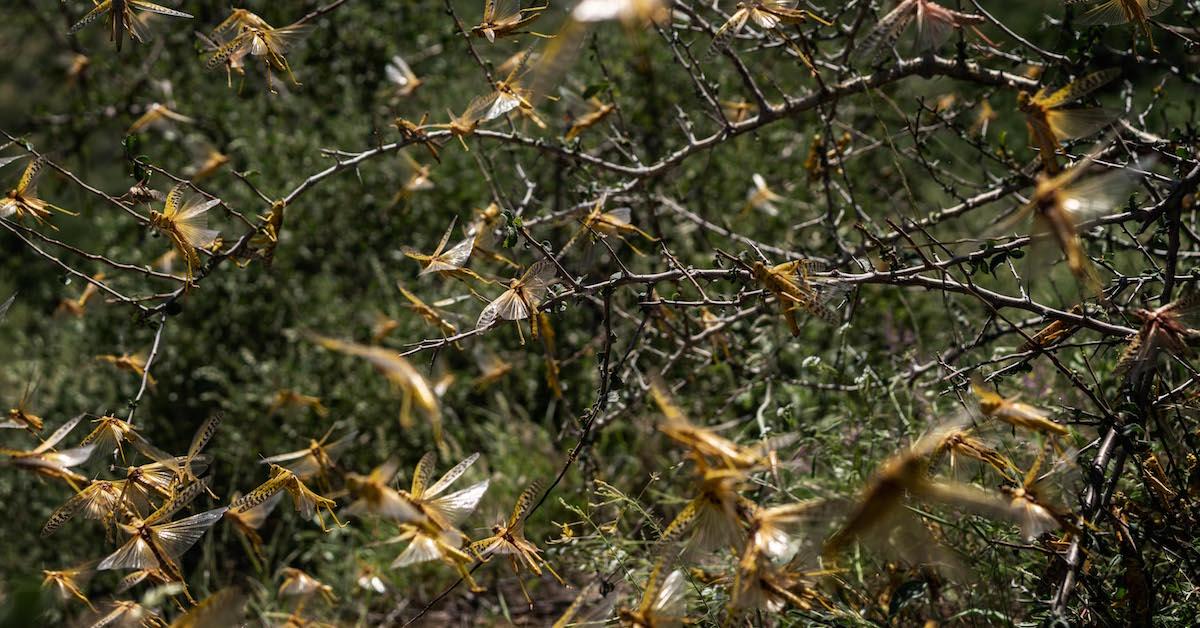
457, 505
450, 476
176, 537
157, 8
193, 224
1080, 87
204, 434
134, 554
423, 474
507, 306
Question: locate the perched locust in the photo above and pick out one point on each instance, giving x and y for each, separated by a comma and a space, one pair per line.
1136, 12
183, 221
767, 15
934, 25
795, 289
1168, 327
508, 538
522, 298
602, 224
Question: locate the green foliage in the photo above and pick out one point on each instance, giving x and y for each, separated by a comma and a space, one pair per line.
897, 176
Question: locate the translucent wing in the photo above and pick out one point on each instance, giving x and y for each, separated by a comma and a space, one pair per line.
134, 554
68, 457
4, 161
539, 276
932, 28
505, 10
156, 8
192, 224
1071, 124
507, 306
399, 72
450, 260
7, 304
476, 109
1154, 7
176, 537
394, 506
450, 476
671, 598
887, 31
1080, 87
421, 549
445, 238
501, 104
1108, 12
457, 505
277, 41
458, 254
1188, 304
289, 456
1094, 196
764, 19
423, 474
97, 501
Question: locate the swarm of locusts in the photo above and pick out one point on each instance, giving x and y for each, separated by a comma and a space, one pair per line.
717, 443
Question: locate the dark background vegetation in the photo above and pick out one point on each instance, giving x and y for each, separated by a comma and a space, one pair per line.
852, 393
